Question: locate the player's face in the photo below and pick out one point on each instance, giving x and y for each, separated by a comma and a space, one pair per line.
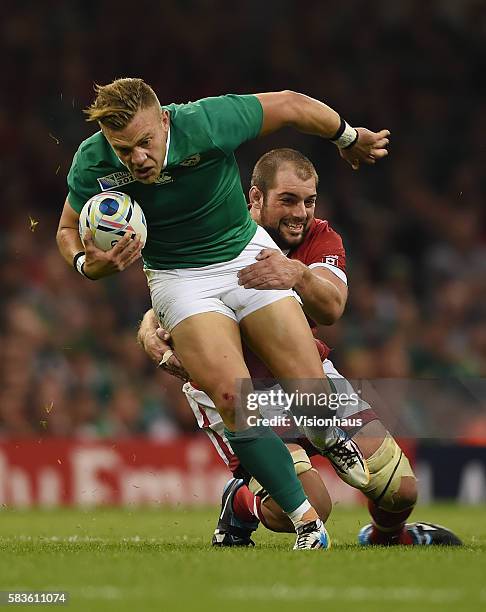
141, 146
287, 209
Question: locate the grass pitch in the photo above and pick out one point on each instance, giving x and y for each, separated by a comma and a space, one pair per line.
145, 560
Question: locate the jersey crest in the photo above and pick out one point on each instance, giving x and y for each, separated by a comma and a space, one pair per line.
193, 160
164, 178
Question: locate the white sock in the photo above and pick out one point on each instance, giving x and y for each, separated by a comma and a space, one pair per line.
296, 515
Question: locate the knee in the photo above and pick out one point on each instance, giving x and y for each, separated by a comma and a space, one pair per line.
406, 495
392, 484
226, 401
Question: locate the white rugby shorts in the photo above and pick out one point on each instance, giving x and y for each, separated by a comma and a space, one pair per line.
179, 294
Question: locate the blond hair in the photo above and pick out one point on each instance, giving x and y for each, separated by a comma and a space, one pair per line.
117, 103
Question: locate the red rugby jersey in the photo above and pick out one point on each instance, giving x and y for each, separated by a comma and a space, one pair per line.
322, 247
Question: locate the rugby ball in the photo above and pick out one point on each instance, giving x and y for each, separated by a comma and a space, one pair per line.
109, 215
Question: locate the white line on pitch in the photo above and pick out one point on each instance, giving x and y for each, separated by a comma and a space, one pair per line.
357, 593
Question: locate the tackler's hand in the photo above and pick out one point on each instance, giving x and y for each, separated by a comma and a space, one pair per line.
169, 360
273, 270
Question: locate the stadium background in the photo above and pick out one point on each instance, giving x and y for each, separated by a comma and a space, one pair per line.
414, 226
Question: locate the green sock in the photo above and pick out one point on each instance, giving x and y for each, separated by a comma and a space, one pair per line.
263, 454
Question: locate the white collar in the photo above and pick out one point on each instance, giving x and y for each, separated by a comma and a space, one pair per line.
167, 145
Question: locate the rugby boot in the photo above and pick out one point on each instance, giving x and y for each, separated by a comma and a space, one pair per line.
230, 530
419, 534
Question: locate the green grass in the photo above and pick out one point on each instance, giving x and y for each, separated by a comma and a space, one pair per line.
147, 560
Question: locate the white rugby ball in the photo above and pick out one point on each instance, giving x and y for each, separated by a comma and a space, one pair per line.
109, 215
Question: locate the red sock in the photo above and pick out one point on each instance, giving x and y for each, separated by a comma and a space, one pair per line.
257, 509
243, 505
389, 527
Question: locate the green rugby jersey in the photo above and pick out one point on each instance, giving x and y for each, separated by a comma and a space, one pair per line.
196, 211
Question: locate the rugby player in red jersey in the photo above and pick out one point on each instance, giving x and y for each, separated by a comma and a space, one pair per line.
312, 263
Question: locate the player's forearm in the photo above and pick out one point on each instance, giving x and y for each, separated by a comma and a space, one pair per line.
292, 109
69, 243
312, 116
322, 301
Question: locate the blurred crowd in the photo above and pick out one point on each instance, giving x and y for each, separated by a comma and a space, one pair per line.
414, 226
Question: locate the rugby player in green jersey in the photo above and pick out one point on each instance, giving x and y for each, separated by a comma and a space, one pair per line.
178, 163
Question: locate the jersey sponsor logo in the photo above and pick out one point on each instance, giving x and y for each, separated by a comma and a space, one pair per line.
164, 178
331, 260
117, 179
193, 160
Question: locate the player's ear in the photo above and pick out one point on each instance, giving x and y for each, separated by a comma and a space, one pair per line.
165, 118
256, 197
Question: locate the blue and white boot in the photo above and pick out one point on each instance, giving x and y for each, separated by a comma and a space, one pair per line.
230, 530
312, 536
